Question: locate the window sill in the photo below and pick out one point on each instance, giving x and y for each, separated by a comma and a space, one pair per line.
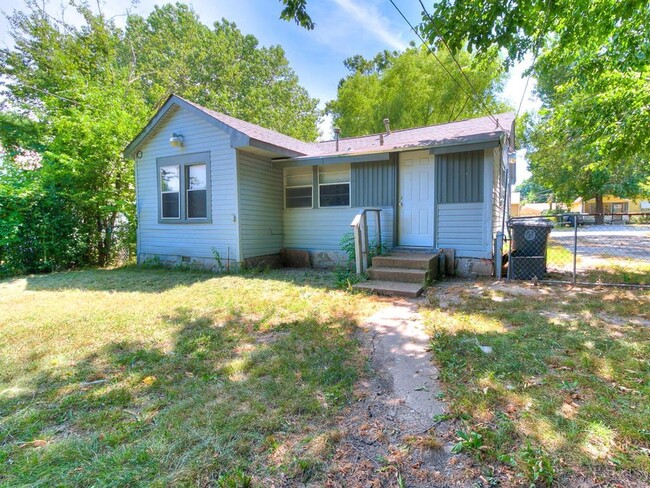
184, 222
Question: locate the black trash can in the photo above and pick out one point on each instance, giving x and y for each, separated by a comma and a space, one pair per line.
530, 237
528, 248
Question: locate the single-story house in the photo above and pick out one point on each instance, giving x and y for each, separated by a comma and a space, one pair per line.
519, 209
209, 184
612, 205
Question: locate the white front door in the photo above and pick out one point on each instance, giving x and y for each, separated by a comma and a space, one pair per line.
415, 200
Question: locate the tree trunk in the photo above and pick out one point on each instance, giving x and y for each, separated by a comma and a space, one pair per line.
600, 210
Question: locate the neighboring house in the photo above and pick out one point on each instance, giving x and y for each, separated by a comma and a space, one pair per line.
209, 183
612, 206
519, 209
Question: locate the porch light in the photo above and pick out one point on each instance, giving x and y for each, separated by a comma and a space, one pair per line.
512, 157
176, 140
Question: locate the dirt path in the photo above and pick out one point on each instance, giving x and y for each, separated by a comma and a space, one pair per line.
390, 435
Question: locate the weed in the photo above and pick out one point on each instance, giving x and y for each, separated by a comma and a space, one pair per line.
345, 278
469, 441
537, 465
235, 479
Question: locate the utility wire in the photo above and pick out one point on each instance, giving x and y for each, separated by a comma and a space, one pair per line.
441, 63
460, 68
537, 47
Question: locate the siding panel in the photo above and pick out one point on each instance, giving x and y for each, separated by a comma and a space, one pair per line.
374, 184
461, 227
260, 205
321, 229
460, 177
195, 240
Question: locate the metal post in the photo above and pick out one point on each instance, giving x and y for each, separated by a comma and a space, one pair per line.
498, 255
509, 255
575, 248
378, 214
358, 254
364, 242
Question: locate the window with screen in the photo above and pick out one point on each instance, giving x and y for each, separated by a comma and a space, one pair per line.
170, 198
184, 188
298, 187
334, 185
196, 188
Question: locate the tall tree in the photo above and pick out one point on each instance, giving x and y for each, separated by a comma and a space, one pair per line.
220, 68
592, 61
76, 95
413, 89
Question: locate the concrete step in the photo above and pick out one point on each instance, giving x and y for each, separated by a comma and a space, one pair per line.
402, 275
406, 261
391, 288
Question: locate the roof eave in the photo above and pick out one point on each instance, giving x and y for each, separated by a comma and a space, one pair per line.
470, 143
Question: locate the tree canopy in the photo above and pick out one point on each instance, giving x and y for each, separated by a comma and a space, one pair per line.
533, 192
74, 96
413, 89
592, 63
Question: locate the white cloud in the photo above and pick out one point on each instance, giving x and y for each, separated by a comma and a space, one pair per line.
368, 18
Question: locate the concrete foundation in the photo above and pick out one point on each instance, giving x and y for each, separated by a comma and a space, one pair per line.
173, 261
473, 267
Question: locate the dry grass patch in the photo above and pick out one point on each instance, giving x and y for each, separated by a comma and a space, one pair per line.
565, 390
148, 377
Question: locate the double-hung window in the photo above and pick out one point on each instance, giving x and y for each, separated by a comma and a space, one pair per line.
334, 185
184, 188
298, 187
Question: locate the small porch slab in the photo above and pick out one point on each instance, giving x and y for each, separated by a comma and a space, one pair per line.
391, 288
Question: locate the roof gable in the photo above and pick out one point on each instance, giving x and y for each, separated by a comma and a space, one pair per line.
241, 133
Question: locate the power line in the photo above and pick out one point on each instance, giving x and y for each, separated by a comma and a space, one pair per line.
425, 44
460, 68
537, 47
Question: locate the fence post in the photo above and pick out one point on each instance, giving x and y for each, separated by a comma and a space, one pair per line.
575, 247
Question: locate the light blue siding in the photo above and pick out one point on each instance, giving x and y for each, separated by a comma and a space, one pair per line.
461, 227
171, 241
260, 205
321, 229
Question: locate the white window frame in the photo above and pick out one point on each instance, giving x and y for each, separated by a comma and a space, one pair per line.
340, 168
307, 170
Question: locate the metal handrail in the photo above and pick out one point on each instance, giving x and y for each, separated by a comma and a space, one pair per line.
360, 228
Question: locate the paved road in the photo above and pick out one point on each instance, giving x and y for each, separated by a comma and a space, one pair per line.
626, 241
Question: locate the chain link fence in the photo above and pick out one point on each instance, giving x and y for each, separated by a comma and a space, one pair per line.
579, 248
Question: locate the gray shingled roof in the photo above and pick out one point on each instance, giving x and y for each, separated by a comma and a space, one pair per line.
463, 132
259, 133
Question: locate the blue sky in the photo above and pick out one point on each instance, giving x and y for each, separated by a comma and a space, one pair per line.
343, 28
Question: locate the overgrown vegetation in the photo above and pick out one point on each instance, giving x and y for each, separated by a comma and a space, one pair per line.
74, 96
564, 392
152, 377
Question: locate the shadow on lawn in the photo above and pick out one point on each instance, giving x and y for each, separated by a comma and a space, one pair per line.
223, 400
574, 386
130, 279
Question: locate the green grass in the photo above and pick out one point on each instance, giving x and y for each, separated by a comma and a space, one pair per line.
596, 269
566, 390
136, 377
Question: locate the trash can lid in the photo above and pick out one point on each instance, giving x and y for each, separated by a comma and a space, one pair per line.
530, 223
